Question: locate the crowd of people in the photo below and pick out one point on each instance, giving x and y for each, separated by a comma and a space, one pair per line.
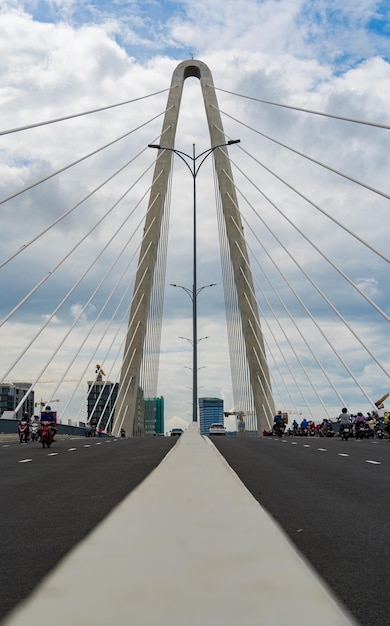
373, 422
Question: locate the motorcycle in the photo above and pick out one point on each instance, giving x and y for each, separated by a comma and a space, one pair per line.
34, 431
379, 432
279, 430
23, 431
360, 430
46, 434
345, 432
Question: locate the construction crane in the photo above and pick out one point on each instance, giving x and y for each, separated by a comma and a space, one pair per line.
43, 403
382, 399
240, 420
45, 380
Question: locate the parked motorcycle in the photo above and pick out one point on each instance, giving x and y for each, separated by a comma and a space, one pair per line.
23, 431
46, 434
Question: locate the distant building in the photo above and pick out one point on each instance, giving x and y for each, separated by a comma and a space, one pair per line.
210, 412
101, 401
154, 416
10, 396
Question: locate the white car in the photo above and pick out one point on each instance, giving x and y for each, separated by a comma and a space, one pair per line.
217, 429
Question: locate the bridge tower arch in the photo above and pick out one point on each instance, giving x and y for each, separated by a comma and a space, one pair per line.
128, 400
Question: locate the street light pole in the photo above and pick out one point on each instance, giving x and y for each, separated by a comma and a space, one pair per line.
191, 163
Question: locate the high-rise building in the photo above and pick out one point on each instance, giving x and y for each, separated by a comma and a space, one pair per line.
10, 396
210, 412
101, 401
154, 416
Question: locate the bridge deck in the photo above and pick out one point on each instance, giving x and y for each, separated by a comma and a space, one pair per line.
189, 546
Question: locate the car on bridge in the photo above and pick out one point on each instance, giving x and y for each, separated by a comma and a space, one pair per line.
176, 432
217, 429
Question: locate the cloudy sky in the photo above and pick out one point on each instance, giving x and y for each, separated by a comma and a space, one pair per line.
61, 58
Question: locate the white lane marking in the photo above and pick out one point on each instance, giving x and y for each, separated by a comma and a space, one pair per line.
294, 443
25, 461
98, 443
306, 445
323, 449
87, 446
373, 462
6, 446
341, 454
52, 454
71, 449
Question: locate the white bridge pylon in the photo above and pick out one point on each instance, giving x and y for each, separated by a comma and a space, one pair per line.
129, 397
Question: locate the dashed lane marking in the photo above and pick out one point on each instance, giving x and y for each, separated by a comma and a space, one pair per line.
323, 449
294, 443
52, 454
306, 445
373, 462
87, 446
71, 449
342, 454
25, 461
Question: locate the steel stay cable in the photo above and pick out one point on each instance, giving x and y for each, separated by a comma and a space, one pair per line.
285, 359
243, 393
69, 211
57, 308
80, 160
235, 341
281, 326
74, 115
324, 256
53, 270
309, 158
81, 312
313, 204
100, 313
276, 292
316, 287
108, 325
135, 293
313, 319
120, 348
311, 111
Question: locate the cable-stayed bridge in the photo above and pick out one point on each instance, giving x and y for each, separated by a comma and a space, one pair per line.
309, 236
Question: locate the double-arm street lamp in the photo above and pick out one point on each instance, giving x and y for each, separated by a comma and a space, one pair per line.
193, 164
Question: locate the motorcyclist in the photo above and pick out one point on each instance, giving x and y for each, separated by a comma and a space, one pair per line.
24, 425
49, 416
279, 423
359, 421
304, 426
34, 426
345, 419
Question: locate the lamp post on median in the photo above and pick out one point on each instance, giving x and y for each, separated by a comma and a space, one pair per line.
194, 166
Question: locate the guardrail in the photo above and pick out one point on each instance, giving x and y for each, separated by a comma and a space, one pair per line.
189, 546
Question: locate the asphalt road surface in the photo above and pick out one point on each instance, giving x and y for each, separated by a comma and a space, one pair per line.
51, 498
332, 499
